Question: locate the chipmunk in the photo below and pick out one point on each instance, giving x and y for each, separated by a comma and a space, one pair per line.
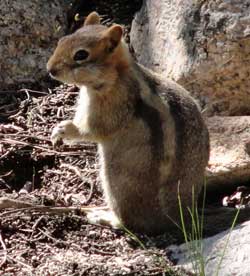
151, 137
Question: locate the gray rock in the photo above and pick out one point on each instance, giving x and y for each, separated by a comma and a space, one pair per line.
230, 150
234, 246
29, 30
203, 45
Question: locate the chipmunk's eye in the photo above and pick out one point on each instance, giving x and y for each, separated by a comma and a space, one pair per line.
81, 55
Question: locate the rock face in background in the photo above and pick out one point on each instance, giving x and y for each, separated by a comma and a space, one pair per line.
230, 150
29, 30
203, 45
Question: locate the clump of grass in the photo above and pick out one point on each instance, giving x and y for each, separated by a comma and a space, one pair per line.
133, 237
227, 241
193, 238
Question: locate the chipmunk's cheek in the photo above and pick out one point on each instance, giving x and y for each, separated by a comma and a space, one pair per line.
67, 77
75, 75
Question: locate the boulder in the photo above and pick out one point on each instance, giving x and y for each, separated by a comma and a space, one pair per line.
29, 31
231, 248
229, 165
203, 45
230, 150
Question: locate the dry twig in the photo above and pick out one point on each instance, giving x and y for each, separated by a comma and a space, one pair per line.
4, 250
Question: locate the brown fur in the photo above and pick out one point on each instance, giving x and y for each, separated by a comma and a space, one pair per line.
150, 132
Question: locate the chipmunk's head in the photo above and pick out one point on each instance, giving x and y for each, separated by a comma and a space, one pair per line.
90, 56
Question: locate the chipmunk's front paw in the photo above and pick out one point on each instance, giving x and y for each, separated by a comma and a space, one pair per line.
63, 130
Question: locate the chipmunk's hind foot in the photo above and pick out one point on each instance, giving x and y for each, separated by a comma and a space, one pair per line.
103, 217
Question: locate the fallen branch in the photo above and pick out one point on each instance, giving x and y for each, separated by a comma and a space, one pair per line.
10, 141
6, 202
17, 205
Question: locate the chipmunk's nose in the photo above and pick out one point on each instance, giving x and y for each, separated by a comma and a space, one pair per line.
51, 69
52, 72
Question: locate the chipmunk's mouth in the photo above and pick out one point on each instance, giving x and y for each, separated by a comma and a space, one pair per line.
56, 75
53, 73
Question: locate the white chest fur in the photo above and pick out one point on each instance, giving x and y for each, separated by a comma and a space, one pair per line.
82, 109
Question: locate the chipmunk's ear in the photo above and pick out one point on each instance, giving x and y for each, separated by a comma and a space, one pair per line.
92, 19
114, 36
